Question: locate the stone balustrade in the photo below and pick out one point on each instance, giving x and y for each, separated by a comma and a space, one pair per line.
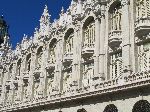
99, 88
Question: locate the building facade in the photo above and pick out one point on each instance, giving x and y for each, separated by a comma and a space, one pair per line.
94, 58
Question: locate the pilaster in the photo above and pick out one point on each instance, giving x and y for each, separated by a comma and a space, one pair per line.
126, 37
102, 49
97, 47
79, 50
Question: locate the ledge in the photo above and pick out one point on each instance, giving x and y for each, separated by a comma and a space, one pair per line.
129, 82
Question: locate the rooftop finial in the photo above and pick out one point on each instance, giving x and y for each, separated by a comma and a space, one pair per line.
45, 21
62, 10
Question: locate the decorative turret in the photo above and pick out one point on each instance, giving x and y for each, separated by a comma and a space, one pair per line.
3, 30
45, 22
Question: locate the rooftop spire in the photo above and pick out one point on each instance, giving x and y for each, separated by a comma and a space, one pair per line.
45, 21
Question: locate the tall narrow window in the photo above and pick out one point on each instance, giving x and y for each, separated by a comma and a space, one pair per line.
51, 67
39, 58
144, 57
67, 63
142, 9
88, 48
52, 52
116, 65
69, 42
89, 35
115, 16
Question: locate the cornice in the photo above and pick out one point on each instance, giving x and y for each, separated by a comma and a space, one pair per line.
99, 89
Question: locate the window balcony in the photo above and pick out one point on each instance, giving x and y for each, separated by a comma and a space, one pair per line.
26, 75
88, 49
8, 82
50, 65
142, 26
115, 38
37, 73
68, 57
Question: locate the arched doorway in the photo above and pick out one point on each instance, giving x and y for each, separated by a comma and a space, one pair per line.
81, 110
111, 108
141, 106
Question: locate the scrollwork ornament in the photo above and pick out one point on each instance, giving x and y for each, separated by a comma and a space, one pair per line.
125, 2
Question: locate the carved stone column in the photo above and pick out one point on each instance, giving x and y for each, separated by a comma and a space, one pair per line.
79, 49
101, 50
75, 73
96, 52
23, 70
31, 83
126, 37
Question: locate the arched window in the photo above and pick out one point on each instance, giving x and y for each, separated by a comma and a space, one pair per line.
69, 41
81, 110
67, 59
51, 67
110, 108
115, 39
115, 16
89, 33
88, 51
39, 58
141, 106
52, 51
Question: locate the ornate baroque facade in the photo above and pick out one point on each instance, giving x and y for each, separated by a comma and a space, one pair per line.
94, 58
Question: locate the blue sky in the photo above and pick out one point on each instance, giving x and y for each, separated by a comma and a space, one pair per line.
23, 16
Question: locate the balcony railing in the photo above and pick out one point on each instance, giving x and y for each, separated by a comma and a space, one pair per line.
50, 65
68, 57
88, 49
115, 38
142, 26
26, 75
134, 80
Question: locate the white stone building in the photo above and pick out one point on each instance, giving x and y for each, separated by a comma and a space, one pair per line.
94, 58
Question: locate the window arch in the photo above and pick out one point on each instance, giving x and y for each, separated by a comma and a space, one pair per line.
68, 43
39, 57
141, 106
89, 33
51, 67
67, 59
52, 51
88, 46
110, 108
115, 16
81, 110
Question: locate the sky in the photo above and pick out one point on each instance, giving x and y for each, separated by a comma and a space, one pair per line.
23, 16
